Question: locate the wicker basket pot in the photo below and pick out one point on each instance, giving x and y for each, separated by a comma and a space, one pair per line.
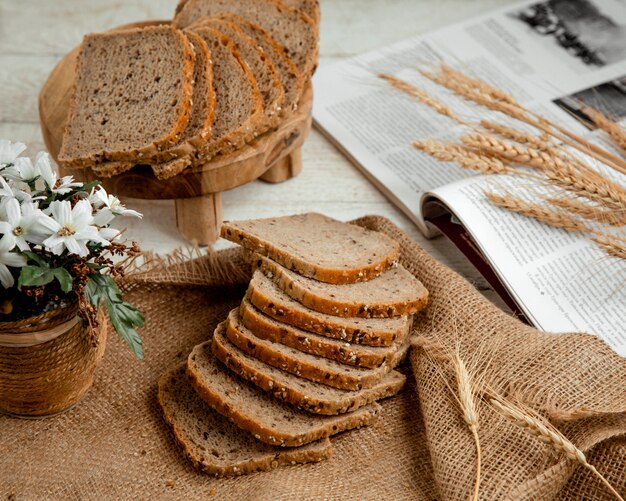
47, 362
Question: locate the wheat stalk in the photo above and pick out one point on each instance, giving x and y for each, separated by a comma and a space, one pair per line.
421, 96
464, 157
586, 211
551, 436
613, 246
485, 95
539, 143
615, 132
465, 390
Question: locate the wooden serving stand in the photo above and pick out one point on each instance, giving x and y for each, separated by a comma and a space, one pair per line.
272, 157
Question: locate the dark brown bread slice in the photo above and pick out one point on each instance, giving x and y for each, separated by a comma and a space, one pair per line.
200, 124
392, 293
347, 353
213, 443
317, 246
308, 395
125, 79
290, 76
290, 27
251, 409
268, 298
311, 367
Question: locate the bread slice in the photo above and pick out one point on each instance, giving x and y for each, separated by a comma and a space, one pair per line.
290, 76
251, 409
317, 246
239, 108
310, 7
124, 79
213, 443
392, 293
200, 124
268, 82
268, 298
311, 367
290, 27
346, 353
308, 395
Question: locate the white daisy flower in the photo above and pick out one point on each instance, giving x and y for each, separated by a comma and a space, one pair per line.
60, 186
22, 170
109, 206
23, 222
10, 151
72, 228
8, 258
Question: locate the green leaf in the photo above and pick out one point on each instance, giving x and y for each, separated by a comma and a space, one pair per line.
36, 257
64, 278
34, 276
101, 290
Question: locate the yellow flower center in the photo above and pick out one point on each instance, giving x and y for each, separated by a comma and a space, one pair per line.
65, 232
18, 231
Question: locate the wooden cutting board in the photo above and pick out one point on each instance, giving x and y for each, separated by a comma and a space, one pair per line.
273, 157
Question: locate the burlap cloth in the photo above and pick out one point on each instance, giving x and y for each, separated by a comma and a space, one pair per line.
115, 445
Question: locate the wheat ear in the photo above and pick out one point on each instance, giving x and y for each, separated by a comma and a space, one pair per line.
586, 211
615, 132
421, 96
470, 414
612, 245
464, 157
551, 436
539, 143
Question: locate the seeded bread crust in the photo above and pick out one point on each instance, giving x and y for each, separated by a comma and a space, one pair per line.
307, 395
317, 246
279, 424
290, 76
308, 342
74, 153
305, 365
214, 444
394, 292
290, 27
272, 301
270, 86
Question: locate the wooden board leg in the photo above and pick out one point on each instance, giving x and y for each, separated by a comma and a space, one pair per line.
199, 219
287, 167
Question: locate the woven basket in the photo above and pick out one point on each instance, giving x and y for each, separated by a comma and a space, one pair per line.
47, 362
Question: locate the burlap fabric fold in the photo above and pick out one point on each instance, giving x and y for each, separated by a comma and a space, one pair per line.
115, 445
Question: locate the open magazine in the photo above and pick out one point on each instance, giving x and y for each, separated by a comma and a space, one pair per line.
554, 57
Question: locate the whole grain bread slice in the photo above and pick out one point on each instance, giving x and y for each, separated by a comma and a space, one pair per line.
124, 79
265, 74
310, 7
265, 295
392, 293
290, 27
199, 128
213, 443
238, 110
308, 395
251, 409
317, 246
290, 76
346, 353
311, 367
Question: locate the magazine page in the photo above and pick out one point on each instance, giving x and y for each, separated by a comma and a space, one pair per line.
550, 56
562, 282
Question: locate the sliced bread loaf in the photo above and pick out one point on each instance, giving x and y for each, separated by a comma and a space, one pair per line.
347, 353
288, 72
312, 367
317, 246
310, 7
308, 395
251, 409
394, 292
123, 80
265, 74
213, 443
268, 298
290, 27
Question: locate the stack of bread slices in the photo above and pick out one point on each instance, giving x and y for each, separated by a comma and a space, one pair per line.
307, 354
178, 94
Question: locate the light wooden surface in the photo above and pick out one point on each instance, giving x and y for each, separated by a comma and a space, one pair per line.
34, 35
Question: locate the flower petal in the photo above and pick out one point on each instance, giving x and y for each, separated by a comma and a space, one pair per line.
6, 279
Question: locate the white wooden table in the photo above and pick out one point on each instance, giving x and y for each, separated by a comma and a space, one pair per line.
35, 34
